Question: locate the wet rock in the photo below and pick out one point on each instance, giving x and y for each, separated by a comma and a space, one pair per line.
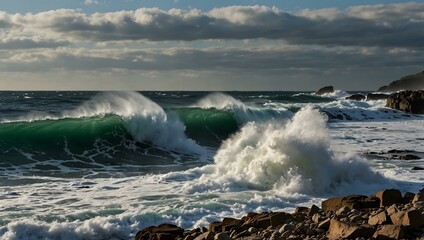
389, 197
376, 96
163, 231
356, 97
342, 230
408, 101
389, 232
417, 168
326, 89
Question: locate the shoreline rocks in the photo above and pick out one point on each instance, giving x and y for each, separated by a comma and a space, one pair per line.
384, 215
408, 101
324, 90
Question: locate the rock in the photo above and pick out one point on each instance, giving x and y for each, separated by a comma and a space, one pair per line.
222, 236
389, 197
417, 168
389, 232
326, 89
411, 82
324, 224
352, 201
412, 219
253, 230
356, 97
378, 219
408, 197
376, 96
409, 157
342, 230
287, 227
408, 101
280, 218
418, 198
163, 232
206, 236
314, 209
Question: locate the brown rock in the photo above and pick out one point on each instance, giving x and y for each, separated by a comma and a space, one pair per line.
342, 230
378, 219
408, 101
326, 89
408, 197
418, 198
352, 201
314, 209
280, 218
324, 224
206, 236
389, 232
163, 231
388, 197
412, 219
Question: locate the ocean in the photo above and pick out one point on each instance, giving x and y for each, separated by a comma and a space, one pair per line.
104, 165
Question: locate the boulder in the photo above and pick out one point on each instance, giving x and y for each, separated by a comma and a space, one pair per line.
411, 219
343, 230
324, 90
376, 96
356, 97
409, 157
161, 232
389, 232
351, 201
389, 197
378, 219
408, 101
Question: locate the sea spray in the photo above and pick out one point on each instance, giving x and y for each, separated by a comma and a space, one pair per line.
242, 112
293, 157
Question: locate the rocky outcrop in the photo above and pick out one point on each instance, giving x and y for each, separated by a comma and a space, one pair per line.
356, 97
411, 82
408, 101
349, 217
376, 96
326, 89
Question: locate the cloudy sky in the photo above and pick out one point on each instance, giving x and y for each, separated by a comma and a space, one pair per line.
208, 45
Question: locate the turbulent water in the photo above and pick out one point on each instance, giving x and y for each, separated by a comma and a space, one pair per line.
103, 165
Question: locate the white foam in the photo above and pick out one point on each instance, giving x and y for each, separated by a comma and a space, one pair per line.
293, 157
242, 113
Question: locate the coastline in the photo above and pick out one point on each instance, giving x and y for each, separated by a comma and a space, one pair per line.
384, 215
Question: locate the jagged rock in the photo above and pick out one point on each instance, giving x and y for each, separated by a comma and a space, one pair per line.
376, 96
324, 224
389, 197
410, 82
389, 232
351, 201
356, 97
411, 219
342, 230
408, 101
314, 209
161, 232
378, 219
418, 198
326, 89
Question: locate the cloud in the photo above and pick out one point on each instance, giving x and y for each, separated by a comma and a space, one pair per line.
28, 43
91, 2
395, 25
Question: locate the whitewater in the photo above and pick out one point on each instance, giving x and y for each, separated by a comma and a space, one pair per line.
104, 165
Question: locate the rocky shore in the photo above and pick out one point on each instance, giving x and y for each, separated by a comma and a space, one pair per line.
384, 215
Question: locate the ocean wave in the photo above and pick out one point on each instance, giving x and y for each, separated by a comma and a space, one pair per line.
288, 158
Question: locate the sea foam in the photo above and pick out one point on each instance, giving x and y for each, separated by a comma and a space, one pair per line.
292, 157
